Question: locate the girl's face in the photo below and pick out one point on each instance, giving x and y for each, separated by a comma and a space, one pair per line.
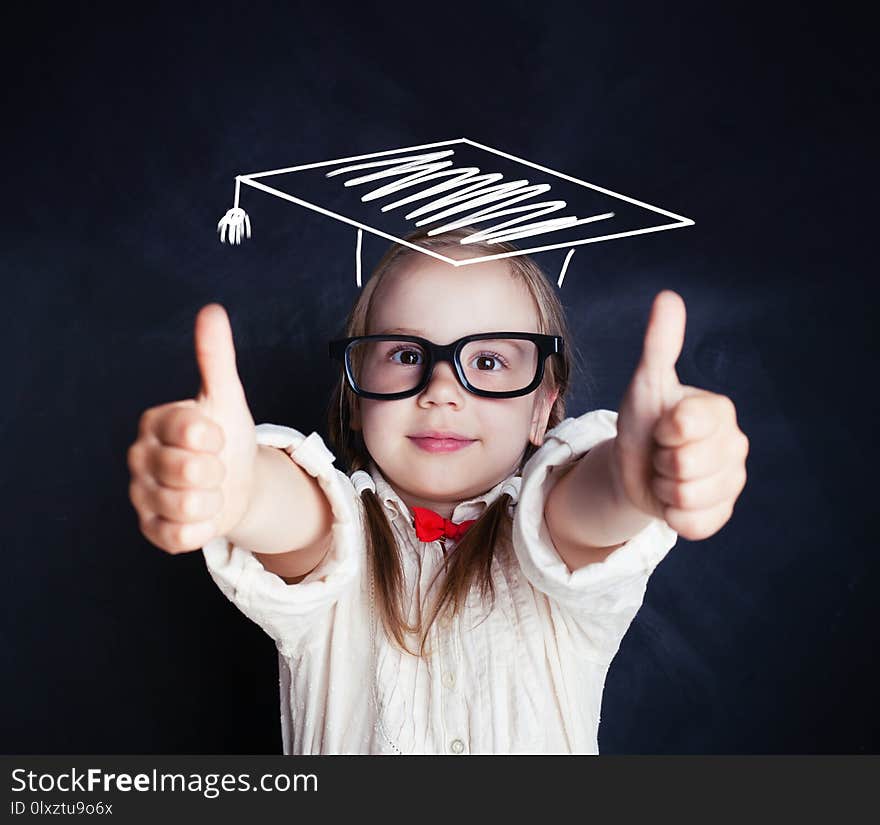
442, 303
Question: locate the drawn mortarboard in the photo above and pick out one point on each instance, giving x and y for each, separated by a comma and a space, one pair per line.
442, 186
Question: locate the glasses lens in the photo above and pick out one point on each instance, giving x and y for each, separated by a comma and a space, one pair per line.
500, 364
387, 366
496, 365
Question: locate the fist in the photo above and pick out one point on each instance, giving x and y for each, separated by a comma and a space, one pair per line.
192, 465
679, 453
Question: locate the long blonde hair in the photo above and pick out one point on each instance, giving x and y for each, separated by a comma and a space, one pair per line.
470, 561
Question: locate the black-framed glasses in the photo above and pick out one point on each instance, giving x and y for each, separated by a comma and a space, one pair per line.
489, 364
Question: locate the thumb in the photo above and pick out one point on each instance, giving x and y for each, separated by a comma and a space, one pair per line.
664, 338
215, 354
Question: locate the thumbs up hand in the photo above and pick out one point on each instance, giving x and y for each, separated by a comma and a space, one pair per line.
679, 454
193, 462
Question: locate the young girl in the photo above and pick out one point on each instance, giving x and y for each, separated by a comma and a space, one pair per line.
465, 589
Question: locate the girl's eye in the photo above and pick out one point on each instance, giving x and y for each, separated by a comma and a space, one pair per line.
408, 356
485, 358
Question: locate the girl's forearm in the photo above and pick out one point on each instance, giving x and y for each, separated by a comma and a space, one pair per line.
585, 509
288, 510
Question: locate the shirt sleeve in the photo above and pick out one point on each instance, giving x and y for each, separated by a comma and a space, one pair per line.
285, 611
600, 600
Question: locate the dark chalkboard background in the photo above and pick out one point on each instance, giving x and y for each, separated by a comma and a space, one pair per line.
122, 138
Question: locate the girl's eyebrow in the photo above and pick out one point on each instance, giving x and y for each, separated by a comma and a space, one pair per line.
402, 330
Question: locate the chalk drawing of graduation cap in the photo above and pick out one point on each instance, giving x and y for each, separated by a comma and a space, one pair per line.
442, 186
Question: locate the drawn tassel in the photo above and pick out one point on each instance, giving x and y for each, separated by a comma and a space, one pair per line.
234, 220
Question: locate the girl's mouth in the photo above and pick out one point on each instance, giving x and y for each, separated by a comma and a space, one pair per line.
440, 445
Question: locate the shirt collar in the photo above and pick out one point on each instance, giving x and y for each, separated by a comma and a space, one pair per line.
472, 508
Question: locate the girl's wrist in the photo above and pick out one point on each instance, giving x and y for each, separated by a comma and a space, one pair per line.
629, 514
246, 526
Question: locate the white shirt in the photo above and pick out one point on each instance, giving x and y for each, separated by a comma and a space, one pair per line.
527, 678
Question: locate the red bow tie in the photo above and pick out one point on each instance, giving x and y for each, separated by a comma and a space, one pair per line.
430, 526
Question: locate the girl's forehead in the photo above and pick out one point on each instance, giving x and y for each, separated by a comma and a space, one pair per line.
431, 294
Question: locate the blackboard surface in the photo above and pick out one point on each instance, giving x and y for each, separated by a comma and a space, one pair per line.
123, 134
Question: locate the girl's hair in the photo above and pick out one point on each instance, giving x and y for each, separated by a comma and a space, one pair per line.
471, 559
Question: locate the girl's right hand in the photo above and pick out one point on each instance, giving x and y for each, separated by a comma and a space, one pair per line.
192, 465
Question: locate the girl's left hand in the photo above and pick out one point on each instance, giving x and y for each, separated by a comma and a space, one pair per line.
679, 454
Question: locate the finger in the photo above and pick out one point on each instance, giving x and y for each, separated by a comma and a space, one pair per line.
215, 354
664, 335
184, 469
184, 506
151, 417
696, 416
695, 525
699, 459
702, 493
175, 467
174, 537
189, 429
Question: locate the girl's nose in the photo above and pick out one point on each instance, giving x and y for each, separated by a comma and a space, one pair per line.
443, 386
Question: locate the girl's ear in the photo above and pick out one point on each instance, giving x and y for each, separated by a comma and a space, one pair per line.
541, 416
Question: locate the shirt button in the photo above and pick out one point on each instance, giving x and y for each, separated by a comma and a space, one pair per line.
449, 680
456, 746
